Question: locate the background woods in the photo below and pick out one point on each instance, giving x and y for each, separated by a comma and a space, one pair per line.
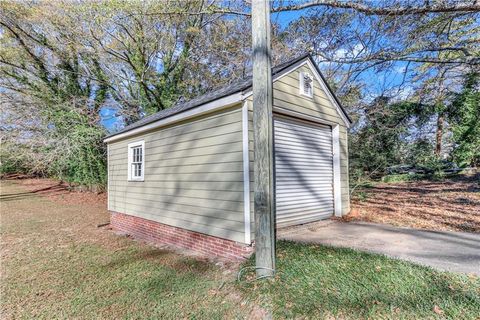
72, 71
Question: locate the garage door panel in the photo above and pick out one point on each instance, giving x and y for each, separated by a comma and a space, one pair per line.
312, 158
298, 213
301, 196
300, 141
283, 153
302, 128
303, 204
306, 179
303, 171
287, 136
306, 148
295, 188
309, 150
304, 218
303, 168
304, 145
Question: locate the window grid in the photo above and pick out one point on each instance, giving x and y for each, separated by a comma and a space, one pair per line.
136, 161
306, 84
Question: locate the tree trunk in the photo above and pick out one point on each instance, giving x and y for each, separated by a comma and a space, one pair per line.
439, 135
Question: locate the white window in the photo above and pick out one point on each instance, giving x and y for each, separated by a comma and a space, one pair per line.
306, 84
136, 161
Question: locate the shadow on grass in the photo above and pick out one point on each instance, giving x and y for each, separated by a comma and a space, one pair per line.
163, 258
57, 189
318, 281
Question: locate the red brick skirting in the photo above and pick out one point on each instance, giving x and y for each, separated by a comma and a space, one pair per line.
159, 233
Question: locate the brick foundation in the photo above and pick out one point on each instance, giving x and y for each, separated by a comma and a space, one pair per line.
159, 233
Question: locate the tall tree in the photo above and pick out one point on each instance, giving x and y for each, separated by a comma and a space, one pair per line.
62, 85
464, 118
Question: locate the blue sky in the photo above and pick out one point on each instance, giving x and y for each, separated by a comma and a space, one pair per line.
376, 82
108, 119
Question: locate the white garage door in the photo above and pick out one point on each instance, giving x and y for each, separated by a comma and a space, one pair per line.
303, 171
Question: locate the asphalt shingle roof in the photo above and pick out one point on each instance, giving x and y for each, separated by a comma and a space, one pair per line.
235, 87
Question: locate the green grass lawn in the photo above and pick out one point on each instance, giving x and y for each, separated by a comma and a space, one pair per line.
56, 263
315, 281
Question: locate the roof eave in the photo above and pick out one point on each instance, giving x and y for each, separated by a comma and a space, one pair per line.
217, 104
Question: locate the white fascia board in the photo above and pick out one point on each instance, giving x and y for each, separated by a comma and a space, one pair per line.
299, 64
218, 104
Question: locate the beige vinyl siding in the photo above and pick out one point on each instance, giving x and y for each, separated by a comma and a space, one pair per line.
193, 176
286, 94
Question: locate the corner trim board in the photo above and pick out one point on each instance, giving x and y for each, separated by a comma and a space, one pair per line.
337, 188
246, 173
108, 177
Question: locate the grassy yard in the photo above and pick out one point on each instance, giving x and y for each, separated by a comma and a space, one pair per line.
319, 282
56, 263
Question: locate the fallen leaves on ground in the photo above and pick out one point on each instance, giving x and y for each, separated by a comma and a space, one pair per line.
451, 205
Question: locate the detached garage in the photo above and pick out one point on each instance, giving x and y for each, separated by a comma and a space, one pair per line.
184, 175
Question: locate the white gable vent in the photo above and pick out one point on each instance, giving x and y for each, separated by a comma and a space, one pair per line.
306, 84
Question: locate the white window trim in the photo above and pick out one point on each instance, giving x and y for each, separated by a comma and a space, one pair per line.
130, 148
302, 87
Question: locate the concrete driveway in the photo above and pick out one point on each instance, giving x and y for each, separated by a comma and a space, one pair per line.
452, 251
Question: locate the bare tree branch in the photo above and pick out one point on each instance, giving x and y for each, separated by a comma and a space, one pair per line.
438, 7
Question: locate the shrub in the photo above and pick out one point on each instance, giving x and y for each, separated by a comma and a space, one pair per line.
402, 178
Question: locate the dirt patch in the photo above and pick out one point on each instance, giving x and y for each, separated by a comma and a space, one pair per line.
452, 205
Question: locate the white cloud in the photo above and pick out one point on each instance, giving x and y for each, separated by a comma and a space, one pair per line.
348, 53
400, 69
340, 54
404, 93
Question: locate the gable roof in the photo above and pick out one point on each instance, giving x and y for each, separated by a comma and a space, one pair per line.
239, 86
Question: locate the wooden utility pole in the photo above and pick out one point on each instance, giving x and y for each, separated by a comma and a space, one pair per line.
263, 140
